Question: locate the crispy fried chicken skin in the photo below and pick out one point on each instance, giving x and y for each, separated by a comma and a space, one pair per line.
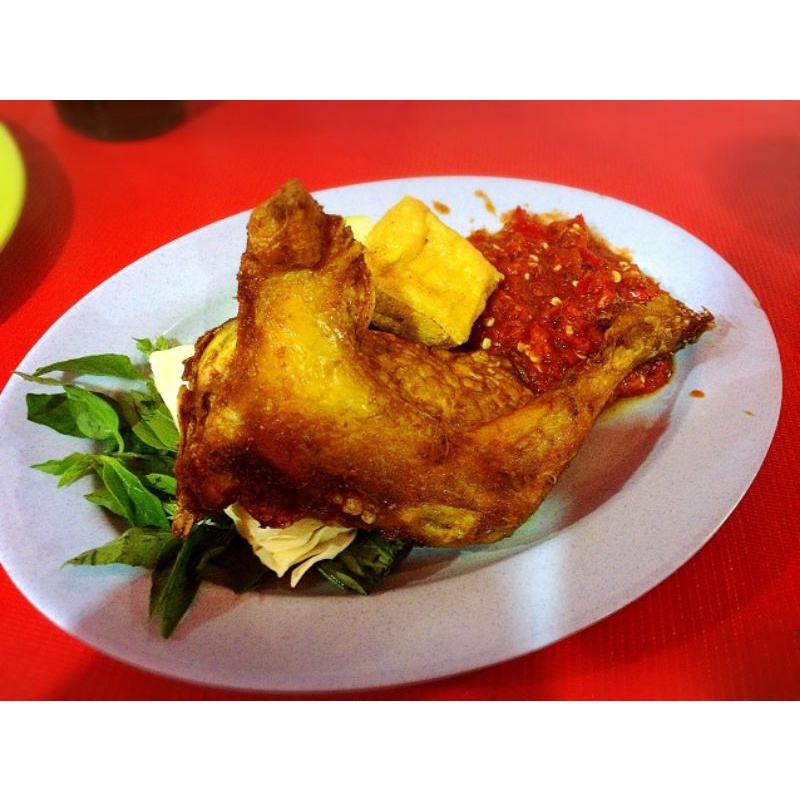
297, 408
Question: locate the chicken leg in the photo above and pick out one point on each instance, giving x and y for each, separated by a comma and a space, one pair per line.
298, 408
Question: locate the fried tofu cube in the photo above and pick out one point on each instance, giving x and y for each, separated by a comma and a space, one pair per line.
431, 284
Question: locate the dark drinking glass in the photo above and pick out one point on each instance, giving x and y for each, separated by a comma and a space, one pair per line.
119, 120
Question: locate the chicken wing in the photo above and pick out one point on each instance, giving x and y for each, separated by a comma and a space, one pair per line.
298, 408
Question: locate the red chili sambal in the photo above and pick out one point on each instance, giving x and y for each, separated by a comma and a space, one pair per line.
561, 286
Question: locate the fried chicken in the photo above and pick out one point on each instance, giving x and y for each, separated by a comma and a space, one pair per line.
297, 408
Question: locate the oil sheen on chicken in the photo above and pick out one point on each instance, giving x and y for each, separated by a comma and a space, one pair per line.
297, 408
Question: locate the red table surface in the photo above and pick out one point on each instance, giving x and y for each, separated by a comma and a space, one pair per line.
726, 625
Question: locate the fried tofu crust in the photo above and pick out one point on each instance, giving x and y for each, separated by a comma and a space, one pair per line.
298, 408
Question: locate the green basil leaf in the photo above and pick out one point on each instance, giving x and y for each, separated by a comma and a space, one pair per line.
103, 498
170, 509
44, 381
139, 505
71, 468
164, 483
364, 564
176, 585
231, 562
236, 567
334, 573
145, 461
94, 417
53, 411
136, 547
157, 429
209, 557
107, 365
148, 346
162, 571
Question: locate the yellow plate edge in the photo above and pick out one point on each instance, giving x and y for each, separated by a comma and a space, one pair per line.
12, 184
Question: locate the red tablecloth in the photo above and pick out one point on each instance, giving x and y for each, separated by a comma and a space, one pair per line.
726, 624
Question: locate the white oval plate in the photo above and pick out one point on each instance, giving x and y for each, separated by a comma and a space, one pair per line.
655, 480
